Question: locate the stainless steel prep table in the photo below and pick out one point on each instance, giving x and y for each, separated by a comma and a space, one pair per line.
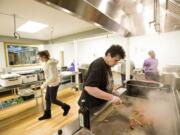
16, 88
63, 75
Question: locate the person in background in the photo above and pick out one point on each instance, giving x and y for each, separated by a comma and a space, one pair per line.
123, 70
98, 84
150, 67
51, 84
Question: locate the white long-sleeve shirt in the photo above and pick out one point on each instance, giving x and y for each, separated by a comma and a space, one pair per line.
51, 73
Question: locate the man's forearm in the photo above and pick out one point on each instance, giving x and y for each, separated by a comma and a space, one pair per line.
98, 93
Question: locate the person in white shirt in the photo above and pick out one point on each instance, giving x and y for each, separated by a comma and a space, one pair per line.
52, 81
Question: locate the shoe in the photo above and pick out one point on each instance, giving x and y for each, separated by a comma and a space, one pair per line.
46, 115
66, 109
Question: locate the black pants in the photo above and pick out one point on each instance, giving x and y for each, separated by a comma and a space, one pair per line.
51, 94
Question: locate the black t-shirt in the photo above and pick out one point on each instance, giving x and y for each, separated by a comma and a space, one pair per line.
99, 75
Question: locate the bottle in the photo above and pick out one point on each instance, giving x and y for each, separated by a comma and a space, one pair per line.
84, 117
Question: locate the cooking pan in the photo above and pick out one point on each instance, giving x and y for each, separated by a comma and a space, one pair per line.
141, 88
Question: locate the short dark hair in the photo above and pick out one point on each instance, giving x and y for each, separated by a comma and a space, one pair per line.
44, 53
115, 50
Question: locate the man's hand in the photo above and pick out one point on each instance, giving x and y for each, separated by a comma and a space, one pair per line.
116, 100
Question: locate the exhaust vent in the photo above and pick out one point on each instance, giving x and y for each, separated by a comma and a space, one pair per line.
178, 1
85, 11
173, 6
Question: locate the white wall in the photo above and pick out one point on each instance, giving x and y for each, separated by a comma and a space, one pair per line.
166, 46
88, 49
68, 49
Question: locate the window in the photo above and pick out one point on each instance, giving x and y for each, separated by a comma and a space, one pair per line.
20, 55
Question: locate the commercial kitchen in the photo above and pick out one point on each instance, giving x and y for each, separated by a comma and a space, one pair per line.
75, 35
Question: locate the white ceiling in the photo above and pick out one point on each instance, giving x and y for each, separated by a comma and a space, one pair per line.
63, 23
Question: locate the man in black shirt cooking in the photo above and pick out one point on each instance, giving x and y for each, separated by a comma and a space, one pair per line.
98, 84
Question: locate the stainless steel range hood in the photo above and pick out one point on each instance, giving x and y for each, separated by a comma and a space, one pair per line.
86, 11
156, 15
172, 15
121, 16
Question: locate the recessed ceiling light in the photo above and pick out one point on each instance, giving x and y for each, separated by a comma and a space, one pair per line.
31, 27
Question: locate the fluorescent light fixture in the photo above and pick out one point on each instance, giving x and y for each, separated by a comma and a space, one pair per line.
139, 7
31, 27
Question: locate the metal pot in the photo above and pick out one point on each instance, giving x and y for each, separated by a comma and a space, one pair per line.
141, 88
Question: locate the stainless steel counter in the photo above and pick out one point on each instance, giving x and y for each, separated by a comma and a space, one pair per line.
114, 120
161, 108
158, 110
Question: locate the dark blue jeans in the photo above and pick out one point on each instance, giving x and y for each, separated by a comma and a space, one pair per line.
51, 94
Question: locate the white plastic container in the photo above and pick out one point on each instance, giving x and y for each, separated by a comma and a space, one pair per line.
29, 78
10, 80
